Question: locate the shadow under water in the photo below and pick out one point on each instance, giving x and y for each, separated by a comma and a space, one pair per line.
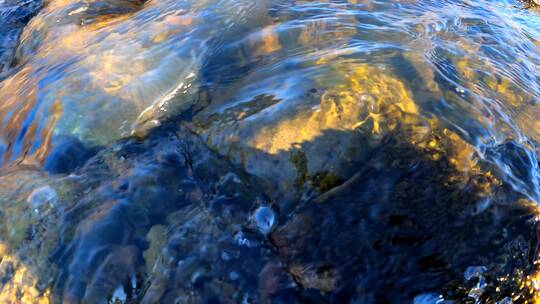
165, 219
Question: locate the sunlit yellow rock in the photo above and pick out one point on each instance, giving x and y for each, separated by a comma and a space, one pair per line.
530, 289
21, 287
365, 94
309, 137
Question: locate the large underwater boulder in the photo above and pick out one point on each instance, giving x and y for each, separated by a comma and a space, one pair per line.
98, 71
314, 137
166, 219
85, 236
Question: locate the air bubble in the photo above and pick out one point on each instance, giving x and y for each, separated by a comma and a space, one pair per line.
263, 218
474, 271
43, 197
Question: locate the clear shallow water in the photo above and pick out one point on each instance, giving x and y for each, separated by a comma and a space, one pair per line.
269, 151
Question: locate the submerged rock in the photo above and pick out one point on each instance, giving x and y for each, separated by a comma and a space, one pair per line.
412, 218
311, 140
407, 223
121, 218
80, 59
193, 227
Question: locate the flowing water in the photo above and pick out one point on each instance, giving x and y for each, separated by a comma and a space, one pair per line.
280, 151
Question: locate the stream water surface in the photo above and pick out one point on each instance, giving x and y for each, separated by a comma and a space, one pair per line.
280, 151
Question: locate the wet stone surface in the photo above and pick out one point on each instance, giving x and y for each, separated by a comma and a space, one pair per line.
352, 243
13, 17
181, 235
194, 246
